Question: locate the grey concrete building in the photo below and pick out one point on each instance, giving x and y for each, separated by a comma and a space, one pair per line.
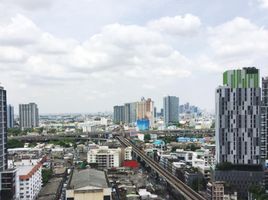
264, 119
238, 130
171, 110
29, 115
238, 117
130, 113
240, 181
7, 177
10, 116
3, 129
119, 114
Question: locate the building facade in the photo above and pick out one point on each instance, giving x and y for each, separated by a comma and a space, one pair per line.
130, 113
145, 110
88, 184
238, 119
3, 129
264, 119
10, 116
30, 181
171, 110
29, 115
104, 157
119, 114
9, 185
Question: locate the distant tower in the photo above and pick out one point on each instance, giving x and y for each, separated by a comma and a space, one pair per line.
119, 114
29, 115
10, 116
171, 109
145, 110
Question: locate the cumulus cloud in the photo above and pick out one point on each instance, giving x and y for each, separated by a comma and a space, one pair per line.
239, 37
122, 57
130, 50
9, 55
178, 25
118, 50
19, 31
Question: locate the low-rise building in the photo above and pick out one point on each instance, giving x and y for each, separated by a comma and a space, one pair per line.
218, 191
104, 157
88, 184
30, 181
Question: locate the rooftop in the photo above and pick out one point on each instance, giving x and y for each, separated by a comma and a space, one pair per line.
24, 170
51, 188
88, 177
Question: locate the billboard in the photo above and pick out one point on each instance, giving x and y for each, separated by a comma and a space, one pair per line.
143, 124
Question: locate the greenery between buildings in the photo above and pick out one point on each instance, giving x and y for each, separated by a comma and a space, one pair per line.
227, 166
46, 175
258, 192
13, 143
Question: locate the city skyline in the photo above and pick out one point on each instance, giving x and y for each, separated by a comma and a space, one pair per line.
176, 46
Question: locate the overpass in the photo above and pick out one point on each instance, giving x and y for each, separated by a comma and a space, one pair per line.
177, 184
103, 134
45, 138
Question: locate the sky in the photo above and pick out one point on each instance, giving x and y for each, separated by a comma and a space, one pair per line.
89, 55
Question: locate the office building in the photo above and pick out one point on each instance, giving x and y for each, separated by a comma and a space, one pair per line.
171, 110
7, 177
145, 110
29, 115
119, 114
10, 116
238, 130
264, 119
130, 113
238, 118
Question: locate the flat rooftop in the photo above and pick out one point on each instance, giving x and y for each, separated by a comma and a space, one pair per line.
51, 188
88, 178
24, 169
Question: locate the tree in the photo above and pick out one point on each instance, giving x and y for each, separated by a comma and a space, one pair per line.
147, 137
258, 192
13, 143
40, 130
192, 147
198, 184
46, 175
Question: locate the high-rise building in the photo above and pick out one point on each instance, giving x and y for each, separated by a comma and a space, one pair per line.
171, 110
10, 116
3, 129
7, 177
238, 130
130, 113
145, 110
29, 115
119, 114
264, 119
238, 116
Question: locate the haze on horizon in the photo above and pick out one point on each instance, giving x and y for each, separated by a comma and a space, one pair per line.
88, 55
